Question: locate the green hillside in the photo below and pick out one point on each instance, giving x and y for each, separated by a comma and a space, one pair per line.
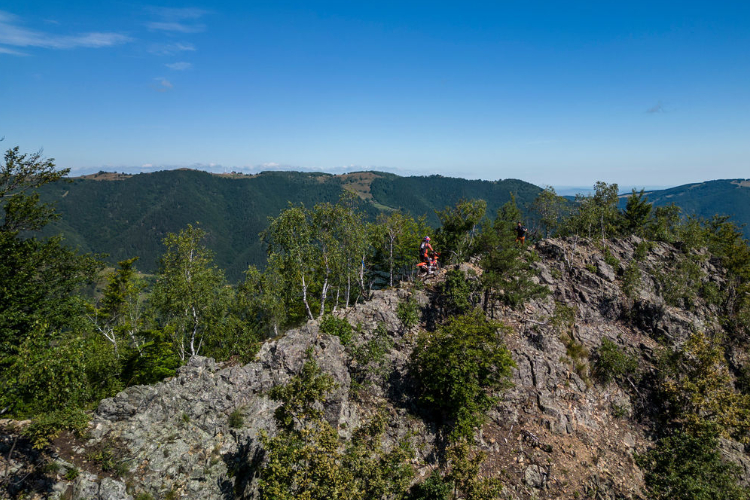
724, 197
126, 216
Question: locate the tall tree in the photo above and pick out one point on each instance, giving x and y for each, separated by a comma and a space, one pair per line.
548, 207
190, 293
507, 272
636, 214
459, 228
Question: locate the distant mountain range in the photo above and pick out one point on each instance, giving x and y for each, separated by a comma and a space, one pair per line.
129, 215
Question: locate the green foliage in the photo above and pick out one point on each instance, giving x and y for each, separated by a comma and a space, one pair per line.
408, 312
563, 320
641, 250
458, 292
631, 279
459, 367
236, 419
190, 294
681, 283
47, 426
435, 487
156, 360
596, 215
613, 363
637, 214
260, 300
371, 357
338, 327
459, 229
610, 259
506, 265
464, 473
52, 370
316, 252
665, 222
72, 473
307, 459
548, 208
395, 240
697, 390
688, 467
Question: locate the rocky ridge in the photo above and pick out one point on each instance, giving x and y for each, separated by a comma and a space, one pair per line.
555, 434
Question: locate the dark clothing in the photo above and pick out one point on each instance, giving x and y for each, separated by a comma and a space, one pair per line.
521, 234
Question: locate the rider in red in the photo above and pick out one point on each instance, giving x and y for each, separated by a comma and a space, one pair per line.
425, 249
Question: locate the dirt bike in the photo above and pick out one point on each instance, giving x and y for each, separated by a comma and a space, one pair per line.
427, 269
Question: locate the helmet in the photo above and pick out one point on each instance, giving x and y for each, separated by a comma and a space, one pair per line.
426, 238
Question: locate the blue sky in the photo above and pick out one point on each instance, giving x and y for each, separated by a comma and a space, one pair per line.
554, 93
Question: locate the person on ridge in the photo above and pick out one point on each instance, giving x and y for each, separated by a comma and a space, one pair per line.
425, 250
521, 233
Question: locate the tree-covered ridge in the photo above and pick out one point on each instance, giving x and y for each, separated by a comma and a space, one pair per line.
723, 196
131, 215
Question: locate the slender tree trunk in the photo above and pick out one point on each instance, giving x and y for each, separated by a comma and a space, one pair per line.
390, 260
304, 298
193, 333
348, 288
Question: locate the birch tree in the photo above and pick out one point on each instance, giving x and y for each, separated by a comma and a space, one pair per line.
190, 291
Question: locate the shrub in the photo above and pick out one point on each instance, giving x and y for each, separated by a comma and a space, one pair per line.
610, 259
687, 467
407, 312
338, 327
631, 279
236, 419
613, 363
435, 487
47, 426
458, 368
457, 293
307, 458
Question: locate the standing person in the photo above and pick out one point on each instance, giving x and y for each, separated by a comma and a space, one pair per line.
521, 233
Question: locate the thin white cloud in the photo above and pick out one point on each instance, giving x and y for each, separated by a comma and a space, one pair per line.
178, 13
15, 35
176, 27
5, 50
169, 49
179, 66
164, 85
177, 20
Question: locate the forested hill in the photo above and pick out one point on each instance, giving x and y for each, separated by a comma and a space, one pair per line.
724, 197
129, 215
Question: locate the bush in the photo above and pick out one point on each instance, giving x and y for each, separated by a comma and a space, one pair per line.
338, 327
613, 363
308, 459
236, 419
457, 292
407, 312
46, 426
631, 279
687, 467
458, 368
435, 487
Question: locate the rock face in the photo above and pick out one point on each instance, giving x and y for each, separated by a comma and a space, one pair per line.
555, 434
